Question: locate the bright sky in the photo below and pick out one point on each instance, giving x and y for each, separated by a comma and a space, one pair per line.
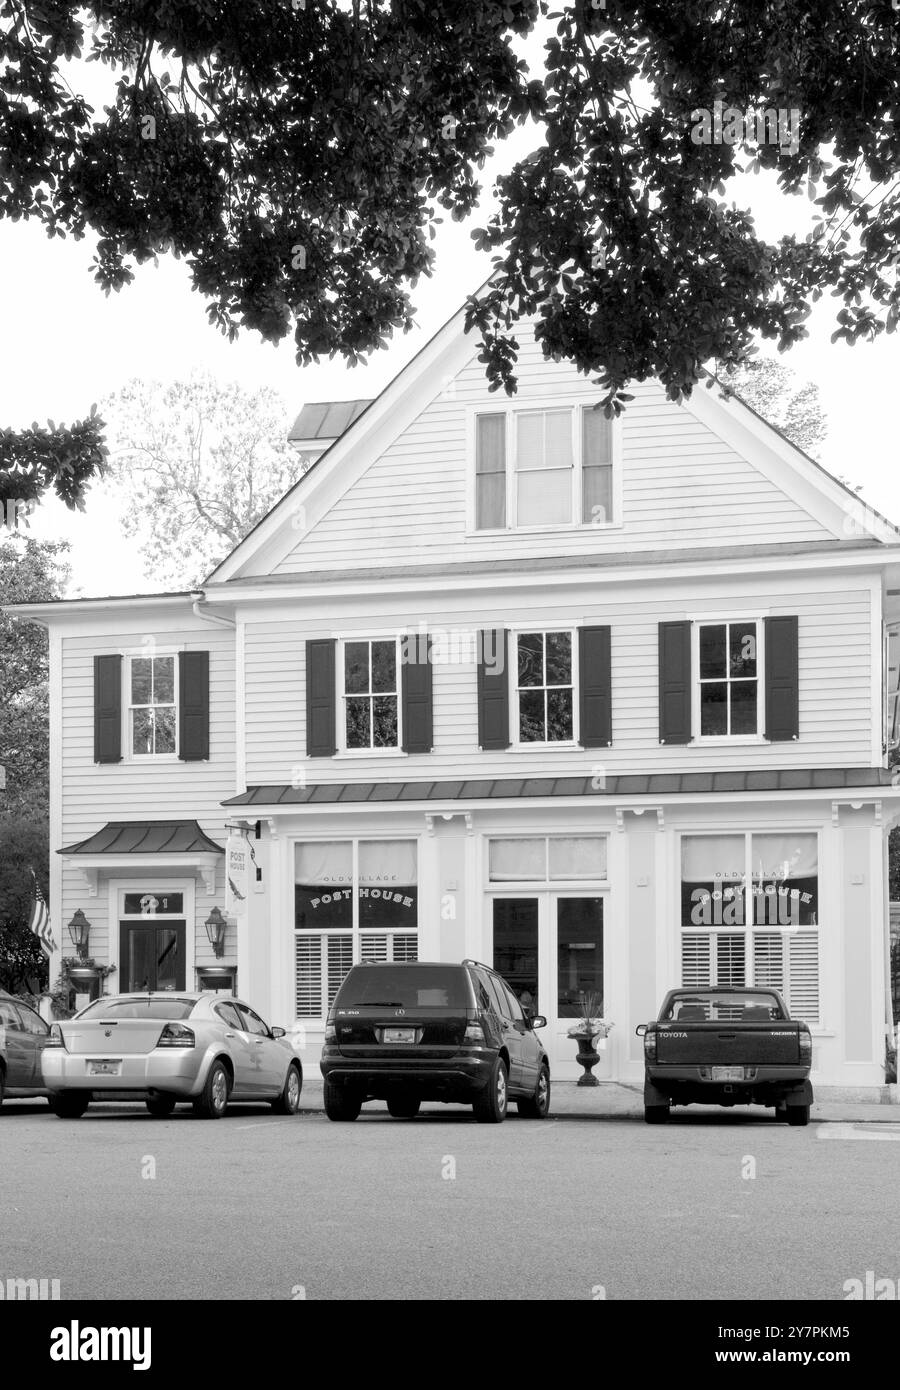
64, 345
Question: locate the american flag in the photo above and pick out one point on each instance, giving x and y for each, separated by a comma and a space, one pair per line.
40, 918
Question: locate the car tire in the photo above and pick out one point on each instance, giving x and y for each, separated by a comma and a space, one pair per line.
2, 1085
492, 1102
213, 1102
341, 1102
161, 1107
798, 1114
70, 1105
656, 1114
537, 1107
288, 1103
403, 1107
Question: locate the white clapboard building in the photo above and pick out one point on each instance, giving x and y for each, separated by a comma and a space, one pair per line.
607, 705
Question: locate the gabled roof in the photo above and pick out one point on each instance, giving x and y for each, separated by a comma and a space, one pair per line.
326, 419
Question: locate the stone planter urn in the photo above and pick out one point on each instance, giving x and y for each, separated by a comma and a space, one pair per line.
588, 1056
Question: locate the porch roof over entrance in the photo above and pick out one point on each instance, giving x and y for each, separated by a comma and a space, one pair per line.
146, 837
497, 788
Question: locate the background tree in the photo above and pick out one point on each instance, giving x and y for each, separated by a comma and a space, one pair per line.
197, 464
30, 571
787, 401
297, 153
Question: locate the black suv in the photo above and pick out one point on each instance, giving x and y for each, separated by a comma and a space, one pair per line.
405, 1033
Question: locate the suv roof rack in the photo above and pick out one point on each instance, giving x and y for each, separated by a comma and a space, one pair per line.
469, 961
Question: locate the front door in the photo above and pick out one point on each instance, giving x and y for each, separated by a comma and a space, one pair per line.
151, 955
549, 947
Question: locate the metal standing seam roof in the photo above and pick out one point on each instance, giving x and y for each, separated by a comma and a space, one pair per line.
326, 419
146, 837
488, 789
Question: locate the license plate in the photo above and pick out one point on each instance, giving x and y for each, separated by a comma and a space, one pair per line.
108, 1067
399, 1035
728, 1073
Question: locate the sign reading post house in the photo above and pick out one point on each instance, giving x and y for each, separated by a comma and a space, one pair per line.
237, 876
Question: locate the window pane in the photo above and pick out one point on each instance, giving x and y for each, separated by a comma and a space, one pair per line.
743, 707
384, 721
516, 945
490, 501
578, 857
596, 435
141, 668
356, 667
713, 708
559, 658
531, 658
558, 438
579, 955
596, 496
531, 717
358, 723
559, 715
742, 649
490, 447
384, 666
785, 880
324, 861
544, 498
142, 731
165, 729
712, 652
164, 680
387, 861
511, 860
712, 881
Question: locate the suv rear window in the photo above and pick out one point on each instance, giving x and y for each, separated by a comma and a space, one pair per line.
407, 986
139, 1008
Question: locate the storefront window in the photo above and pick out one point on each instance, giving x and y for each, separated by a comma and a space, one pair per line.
555, 857
774, 940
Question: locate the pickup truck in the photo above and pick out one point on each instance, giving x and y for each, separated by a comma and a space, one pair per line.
726, 1046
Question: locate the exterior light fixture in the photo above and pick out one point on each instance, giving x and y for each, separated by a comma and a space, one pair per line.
215, 929
80, 932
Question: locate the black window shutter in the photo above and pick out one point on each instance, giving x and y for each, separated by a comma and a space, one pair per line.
107, 709
782, 683
321, 716
493, 689
595, 686
415, 690
675, 682
193, 706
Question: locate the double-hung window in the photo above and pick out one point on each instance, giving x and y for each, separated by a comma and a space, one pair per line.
728, 677
152, 706
370, 694
545, 687
543, 467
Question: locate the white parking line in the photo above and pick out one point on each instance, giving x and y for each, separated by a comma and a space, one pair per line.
847, 1131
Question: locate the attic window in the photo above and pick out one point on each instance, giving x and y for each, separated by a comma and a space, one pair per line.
545, 467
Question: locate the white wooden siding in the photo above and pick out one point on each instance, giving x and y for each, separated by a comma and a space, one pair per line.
835, 670
682, 486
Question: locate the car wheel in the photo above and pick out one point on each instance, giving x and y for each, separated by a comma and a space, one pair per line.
213, 1102
2, 1085
70, 1105
537, 1107
656, 1114
161, 1106
341, 1102
490, 1105
288, 1103
403, 1107
798, 1114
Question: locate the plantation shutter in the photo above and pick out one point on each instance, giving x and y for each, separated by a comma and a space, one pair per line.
107, 709
493, 690
321, 715
782, 685
193, 706
595, 686
675, 682
416, 696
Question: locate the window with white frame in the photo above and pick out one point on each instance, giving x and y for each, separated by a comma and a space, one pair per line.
370, 694
545, 467
544, 708
728, 677
152, 706
354, 900
749, 914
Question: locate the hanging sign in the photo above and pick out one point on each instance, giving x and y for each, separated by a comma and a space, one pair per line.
237, 875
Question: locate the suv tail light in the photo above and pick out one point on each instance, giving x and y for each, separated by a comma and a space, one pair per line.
176, 1035
474, 1034
330, 1030
805, 1043
650, 1044
56, 1038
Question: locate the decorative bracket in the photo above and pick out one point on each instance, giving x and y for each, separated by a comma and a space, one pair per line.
274, 832
208, 874
90, 877
856, 806
432, 816
622, 811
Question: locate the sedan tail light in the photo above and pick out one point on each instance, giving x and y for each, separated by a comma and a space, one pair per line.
650, 1044
176, 1035
55, 1038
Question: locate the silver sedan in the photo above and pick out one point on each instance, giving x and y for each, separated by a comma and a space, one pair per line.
206, 1049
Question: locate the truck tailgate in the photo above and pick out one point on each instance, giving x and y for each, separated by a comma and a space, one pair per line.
745, 1044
